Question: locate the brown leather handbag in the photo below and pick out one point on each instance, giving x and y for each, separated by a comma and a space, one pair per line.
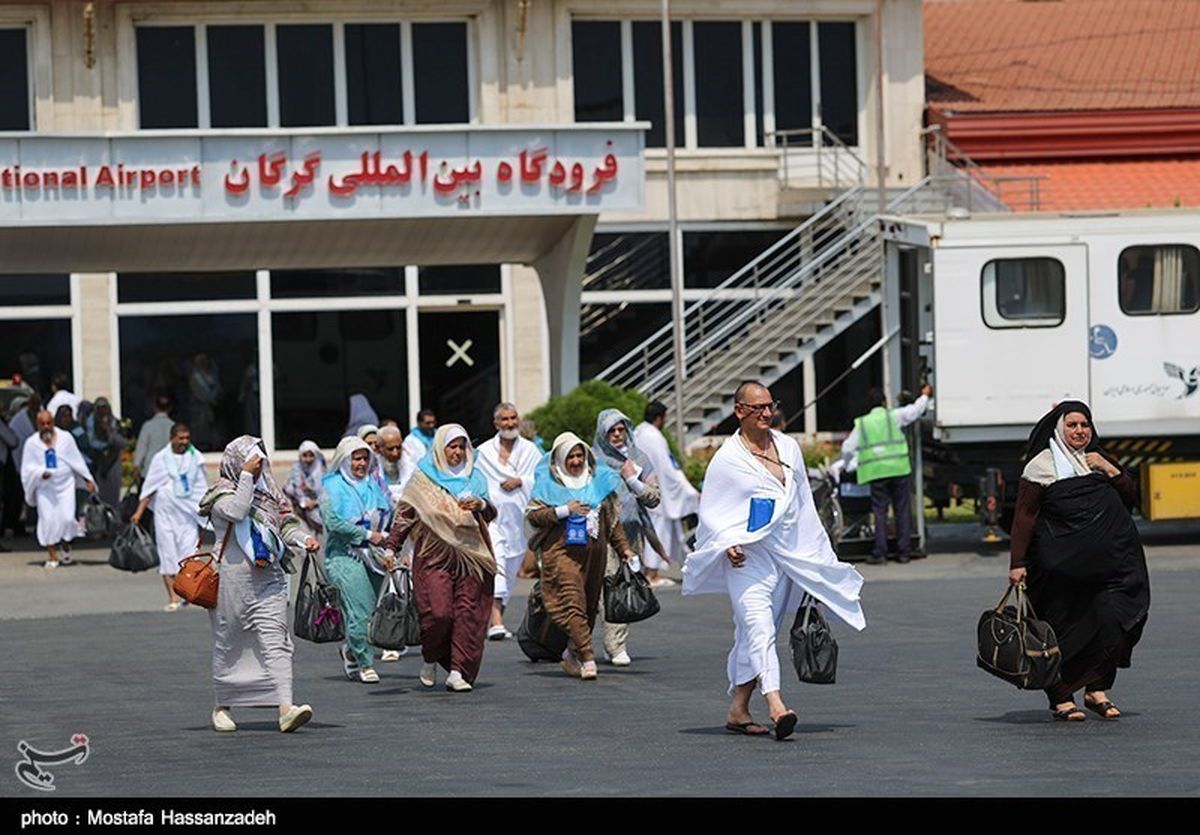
198, 581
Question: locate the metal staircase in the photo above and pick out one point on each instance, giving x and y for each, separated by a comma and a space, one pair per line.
628, 262
794, 298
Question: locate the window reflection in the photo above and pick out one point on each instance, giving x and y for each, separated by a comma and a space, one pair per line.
37, 349
14, 80
166, 60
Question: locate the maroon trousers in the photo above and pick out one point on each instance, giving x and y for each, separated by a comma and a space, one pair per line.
455, 610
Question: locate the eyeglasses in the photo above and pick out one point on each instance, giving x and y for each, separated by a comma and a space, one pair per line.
391, 447
761, 408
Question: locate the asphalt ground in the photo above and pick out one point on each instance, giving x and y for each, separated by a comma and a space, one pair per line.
88, 649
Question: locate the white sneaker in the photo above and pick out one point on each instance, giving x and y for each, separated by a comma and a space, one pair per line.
621, 659
294, 718
50, 564
173, 606
390, 655
587, 671
457, 683
368, 676
349, 664
428, 675
222, 721
498, 633
662, 583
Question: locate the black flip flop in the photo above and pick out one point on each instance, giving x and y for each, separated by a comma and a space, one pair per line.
785, 724
744, 728
1066, 713
1101, 709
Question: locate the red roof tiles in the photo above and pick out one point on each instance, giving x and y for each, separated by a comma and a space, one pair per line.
1124, 184
1018, 55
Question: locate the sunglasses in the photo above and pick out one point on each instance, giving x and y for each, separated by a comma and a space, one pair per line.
761, 408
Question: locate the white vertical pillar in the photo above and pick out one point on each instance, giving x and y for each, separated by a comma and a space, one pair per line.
266, 361
768, 80
749, 116
690, 133
203, 108
408, 83
809, 373
814, 51
341, 96
272, 65
412, 337
628, 96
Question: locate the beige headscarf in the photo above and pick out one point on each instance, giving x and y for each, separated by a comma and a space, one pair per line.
1058, 461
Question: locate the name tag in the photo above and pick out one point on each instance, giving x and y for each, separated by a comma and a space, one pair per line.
51, 459
761, 511
577, 530
183, 480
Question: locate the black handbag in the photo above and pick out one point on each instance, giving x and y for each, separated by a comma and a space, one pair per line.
133, 550
814, 650
1017, 647
628, 597
318, 615
538, 636
395, 623
99, 519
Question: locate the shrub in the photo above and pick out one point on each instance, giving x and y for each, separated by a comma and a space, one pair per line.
577, 411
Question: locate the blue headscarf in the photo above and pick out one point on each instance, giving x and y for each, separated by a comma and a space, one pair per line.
469, 481
548, 486
354, 499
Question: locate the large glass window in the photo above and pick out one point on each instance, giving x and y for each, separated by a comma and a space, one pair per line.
34, 290
1023, 292
321, 358
363, 281
1159, 279
207, 364
648, 80
237, 76
166, 59
839, 79
459, 279
460, 368
711, 257
628, 261
718, 50
373, 74
847, 399
37, 349
596, 50
608, 331
440, 73
14, 80
791, 47
305, 74
179, 287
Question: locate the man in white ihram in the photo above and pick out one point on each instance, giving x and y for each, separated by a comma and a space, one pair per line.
175, 483
50, 466
761, 542
679, 497
508, 462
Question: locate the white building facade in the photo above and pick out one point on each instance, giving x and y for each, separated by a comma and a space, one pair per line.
261, 208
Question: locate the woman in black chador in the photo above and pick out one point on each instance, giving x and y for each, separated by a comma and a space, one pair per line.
1075, 546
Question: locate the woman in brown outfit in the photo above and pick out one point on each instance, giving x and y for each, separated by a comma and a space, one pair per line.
444, 511
576, 515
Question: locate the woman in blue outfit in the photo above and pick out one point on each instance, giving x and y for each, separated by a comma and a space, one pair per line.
357, 514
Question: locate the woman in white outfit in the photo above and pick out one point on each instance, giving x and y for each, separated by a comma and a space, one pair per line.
252, 645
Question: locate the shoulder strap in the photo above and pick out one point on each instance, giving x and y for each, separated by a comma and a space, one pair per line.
225, 541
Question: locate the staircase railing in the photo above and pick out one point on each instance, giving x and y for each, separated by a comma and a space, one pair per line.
816, 156
966, 185
649, 367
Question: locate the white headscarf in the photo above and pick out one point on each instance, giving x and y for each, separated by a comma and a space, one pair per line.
446, 434
344, 452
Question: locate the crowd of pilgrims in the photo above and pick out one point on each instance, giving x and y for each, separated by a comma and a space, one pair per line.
466, 522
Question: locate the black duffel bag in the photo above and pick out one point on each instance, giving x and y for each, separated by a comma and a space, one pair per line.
814, 651
1017, 647
318, 606
99, 519
395, 623
538, 636
628, 597
133, 550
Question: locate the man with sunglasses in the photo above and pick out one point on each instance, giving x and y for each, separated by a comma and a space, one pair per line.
761, 542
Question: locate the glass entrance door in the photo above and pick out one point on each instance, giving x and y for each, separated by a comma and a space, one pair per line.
460, 367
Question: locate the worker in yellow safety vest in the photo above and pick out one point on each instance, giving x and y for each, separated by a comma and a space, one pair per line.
878, 451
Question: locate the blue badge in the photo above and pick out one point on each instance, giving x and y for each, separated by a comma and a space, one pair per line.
183, 479
1102, 342
51, 459
577, 530
761, 511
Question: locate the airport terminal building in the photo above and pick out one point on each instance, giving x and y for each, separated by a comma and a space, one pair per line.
262, 207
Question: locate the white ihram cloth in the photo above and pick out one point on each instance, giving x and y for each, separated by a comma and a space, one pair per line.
413, 449
54, 497
176, 517
507, 530
786, 557
679, 497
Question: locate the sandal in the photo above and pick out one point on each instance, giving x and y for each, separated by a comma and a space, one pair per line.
745, 728
1067, 714
1101, 709
785, 724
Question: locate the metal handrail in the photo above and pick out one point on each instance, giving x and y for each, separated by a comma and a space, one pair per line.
625, 370
817, 139
951, 158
